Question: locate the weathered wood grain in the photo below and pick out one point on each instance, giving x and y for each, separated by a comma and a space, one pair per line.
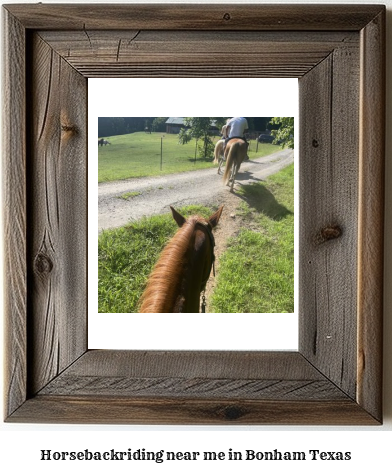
126, 53
57, 208
14, 208
207, 374
193, 17
192, 71
188, 387
97, 409
371, 216
328, 203
119, 44
208, 364
336, 376
101, 387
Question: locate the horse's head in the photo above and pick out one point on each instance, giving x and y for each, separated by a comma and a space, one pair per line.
202, 247
183, 268
212, 220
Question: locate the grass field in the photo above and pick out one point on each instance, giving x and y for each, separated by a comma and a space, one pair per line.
139, 154
256, 273
127, 255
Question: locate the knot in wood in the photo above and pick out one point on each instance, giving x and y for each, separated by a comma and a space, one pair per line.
232, 413
69, 128
328, 233
227, 16
315, 143
43, 264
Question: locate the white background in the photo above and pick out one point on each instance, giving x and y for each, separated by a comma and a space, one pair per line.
20, 445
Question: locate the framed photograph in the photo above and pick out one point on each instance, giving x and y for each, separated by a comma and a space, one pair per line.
337, 53
142, 151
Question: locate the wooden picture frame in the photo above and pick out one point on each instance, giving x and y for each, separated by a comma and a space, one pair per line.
338, 54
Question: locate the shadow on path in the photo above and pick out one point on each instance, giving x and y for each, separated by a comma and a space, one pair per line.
260, 198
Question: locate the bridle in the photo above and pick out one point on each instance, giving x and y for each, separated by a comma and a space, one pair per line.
208, 229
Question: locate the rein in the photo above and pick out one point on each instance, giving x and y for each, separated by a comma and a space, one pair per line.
208, 230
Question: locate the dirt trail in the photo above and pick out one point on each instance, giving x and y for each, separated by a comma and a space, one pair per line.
229, 226
202, 187
154, 195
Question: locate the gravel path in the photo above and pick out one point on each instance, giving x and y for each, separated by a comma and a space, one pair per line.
157, 193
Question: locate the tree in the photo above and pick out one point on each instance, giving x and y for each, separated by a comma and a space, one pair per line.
284, 135
199, 128
159, 124
110, 126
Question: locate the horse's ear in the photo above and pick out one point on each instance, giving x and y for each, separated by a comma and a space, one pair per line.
178, 217
214, 219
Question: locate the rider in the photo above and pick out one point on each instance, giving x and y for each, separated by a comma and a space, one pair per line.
236, 128
224, 130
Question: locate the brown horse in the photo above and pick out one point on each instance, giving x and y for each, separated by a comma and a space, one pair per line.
235, 153
184, 267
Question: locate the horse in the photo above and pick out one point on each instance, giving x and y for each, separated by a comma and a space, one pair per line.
184, 267
219, 153
236, 152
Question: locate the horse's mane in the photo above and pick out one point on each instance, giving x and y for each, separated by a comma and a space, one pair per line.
165, 280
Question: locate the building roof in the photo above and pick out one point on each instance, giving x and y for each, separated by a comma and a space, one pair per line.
180, 121
175, 120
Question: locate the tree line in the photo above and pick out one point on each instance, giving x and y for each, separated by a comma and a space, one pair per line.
110, 126
282, 128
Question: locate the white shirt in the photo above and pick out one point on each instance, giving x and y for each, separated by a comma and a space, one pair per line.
237, 125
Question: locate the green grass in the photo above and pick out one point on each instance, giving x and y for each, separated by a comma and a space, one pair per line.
139, 154
127, 255
256, 273
130, 195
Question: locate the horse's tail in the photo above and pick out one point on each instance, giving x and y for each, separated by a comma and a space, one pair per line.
216, 157
229, 162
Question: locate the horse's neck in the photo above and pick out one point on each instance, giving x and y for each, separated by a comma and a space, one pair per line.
175, 283
188, 299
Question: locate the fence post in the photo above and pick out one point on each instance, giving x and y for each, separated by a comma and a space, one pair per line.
161, 152
195, 151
